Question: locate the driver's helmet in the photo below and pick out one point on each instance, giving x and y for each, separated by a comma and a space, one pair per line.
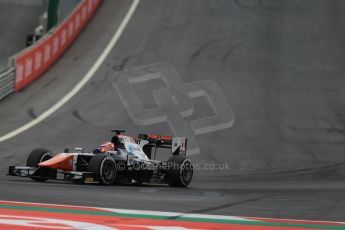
107, 146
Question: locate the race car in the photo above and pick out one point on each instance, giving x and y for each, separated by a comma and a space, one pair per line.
123, 160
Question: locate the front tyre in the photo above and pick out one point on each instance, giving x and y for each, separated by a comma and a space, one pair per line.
37, 156
105, 167
179, 172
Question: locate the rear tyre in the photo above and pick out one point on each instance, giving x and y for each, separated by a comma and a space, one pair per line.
179, 172
37, 156
105, 167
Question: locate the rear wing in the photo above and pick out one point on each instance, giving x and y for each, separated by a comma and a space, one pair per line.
178, 145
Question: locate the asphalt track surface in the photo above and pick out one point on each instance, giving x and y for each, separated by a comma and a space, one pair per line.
280, 67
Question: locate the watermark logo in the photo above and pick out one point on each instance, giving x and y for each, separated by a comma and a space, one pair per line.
174, 102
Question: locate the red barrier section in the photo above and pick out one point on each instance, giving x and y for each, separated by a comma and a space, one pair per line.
31, 63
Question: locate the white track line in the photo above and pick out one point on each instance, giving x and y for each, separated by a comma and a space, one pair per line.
169, 214
83, 81
141, 212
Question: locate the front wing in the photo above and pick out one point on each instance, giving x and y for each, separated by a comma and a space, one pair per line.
52, 174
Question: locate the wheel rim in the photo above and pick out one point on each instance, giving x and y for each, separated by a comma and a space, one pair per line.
108, 171
187, 172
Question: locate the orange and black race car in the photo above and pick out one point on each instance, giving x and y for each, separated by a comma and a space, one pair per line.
123, 160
